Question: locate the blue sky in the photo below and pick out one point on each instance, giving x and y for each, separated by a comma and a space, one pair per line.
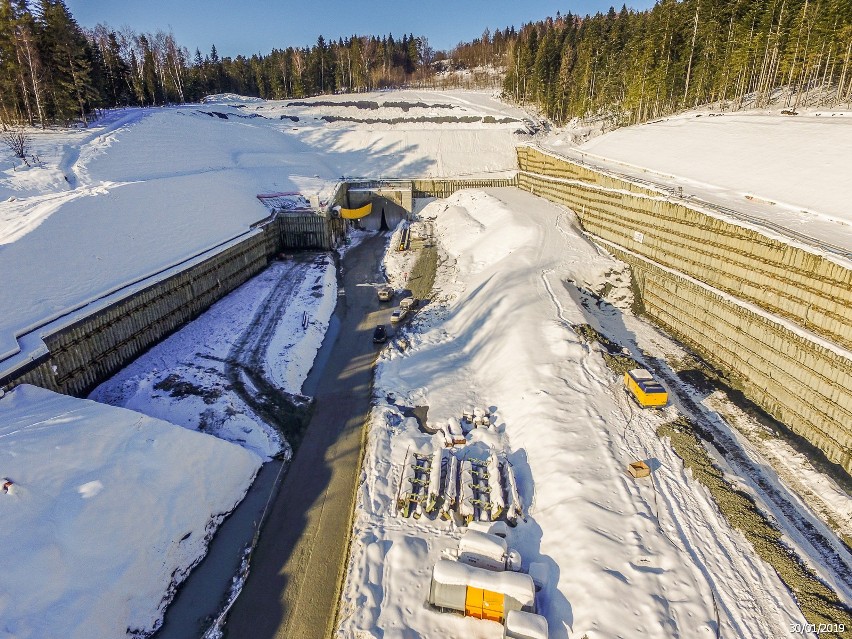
256, 26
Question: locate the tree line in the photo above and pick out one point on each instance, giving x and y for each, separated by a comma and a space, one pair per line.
53, 71
622, 66
357, 63
627, 66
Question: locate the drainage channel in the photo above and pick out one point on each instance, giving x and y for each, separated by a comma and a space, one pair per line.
202, 596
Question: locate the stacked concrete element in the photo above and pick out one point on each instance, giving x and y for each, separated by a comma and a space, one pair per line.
391, 202
310, 231
83, 354
777, 317
445, 187
398, 192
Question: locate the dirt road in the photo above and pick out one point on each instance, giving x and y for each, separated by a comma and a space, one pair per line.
296, 571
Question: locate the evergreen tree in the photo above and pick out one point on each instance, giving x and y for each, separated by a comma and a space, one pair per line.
622, 66
68, 61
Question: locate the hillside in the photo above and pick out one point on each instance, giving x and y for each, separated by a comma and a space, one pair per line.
789, 171
108, 512
145, 189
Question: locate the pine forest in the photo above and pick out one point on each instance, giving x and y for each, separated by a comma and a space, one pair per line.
622, 67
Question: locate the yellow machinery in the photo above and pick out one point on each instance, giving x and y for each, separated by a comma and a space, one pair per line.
647, 391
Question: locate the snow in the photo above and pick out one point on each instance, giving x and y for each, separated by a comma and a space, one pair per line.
790, 170
650, 557
292, 350
185, 378
819, 491
113, 207
111, 510
791, 326
144, 189
479, 543
641, 374
515, 585
525, 624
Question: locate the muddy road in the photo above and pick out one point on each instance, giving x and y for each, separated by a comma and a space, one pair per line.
297, 568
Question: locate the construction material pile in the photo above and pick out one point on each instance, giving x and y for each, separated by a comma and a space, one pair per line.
454, 484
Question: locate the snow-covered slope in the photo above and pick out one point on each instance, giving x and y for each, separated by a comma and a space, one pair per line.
108, 511
143, 189
791, 170
189, 378
623, 558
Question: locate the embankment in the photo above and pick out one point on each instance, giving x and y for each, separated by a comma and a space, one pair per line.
96, 341
775, 316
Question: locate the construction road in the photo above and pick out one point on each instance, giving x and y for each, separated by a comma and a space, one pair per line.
297, 567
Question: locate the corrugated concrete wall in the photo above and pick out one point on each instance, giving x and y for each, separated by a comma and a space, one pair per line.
310, 231
807, 288
441, 187
89, 351
798, 378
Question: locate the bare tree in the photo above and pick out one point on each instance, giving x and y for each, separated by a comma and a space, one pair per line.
18, 142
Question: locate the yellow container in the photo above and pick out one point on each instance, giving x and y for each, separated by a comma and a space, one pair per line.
647, 391
484, 604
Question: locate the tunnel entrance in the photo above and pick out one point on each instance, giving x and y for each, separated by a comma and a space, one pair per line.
385, 216
391, 201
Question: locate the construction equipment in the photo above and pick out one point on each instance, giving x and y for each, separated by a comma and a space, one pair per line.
643, 388
480, 593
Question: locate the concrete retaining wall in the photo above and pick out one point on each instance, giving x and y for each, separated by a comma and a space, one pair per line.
442, 187
360, 192
789, 351
87, 352
807, 288
310, 231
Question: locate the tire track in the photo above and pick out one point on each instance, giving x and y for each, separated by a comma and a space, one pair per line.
811, 539
789, 518
244, 367
681, 507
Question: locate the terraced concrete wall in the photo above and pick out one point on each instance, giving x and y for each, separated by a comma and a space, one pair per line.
83, 354
89, 351
310, 231
777, 317
443, 187
807, 288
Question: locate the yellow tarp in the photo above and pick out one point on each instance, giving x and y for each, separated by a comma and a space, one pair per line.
356, 214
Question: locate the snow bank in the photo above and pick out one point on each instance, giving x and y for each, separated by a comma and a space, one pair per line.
111, 510
621, 557
515, 585
293, 347
146, 188
186, 378
524, 624
791, 170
